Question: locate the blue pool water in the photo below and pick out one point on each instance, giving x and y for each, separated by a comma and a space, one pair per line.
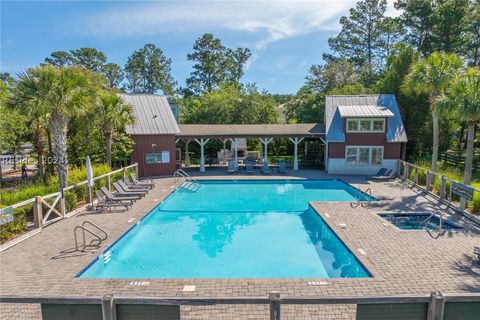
235, 229
416, 222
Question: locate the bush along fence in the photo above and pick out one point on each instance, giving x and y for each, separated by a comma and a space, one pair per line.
459, 196
26, 218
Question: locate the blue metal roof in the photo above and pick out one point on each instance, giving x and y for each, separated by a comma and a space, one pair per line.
333, 120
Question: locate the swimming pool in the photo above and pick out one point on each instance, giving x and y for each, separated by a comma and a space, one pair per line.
416, 221
235, 229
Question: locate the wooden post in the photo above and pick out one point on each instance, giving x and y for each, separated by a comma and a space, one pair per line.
274, 297
436, 306
265, 142
415, 176
202, 142
443, 185
295, 142
187, 153
136, 170
428, 183
109, 182
405, 171
463, 203
124, 174
108, 308
37, 212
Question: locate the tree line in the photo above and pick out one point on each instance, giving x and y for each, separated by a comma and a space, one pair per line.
67, 104
423, 56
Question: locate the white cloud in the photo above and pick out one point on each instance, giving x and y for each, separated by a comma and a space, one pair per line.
266, 21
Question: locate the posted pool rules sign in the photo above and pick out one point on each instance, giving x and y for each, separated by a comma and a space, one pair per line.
6, 215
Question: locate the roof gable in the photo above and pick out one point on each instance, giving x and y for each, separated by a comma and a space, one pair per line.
153, 115
386, 102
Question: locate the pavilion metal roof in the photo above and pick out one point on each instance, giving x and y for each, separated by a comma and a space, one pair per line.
251, 130
153, 115
333, 119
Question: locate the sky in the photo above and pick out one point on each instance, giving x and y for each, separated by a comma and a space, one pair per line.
285, 37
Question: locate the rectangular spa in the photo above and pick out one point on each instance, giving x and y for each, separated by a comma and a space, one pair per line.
235, 229
417, 221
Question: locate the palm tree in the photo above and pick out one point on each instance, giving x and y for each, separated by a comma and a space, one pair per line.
432, 76
64, 92
114, 114
463, 100
25, 97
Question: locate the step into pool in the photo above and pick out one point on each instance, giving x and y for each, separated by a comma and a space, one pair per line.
235, 229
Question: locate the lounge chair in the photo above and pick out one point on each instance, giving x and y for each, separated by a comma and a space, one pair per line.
387, 175
249, 168
123, 192
265, 168
231, 168
282, 167
148, 183
476, 251
132, 185
134, 188
103, 203
118, 197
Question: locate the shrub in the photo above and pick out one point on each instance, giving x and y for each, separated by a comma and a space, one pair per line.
475, 203
70, 200
18, 225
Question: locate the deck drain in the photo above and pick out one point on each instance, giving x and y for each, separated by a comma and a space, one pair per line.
317, 283
140, 283
362, 251
189, 288
131, 220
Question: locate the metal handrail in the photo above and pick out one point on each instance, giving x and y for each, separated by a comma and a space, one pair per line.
100, 238
368, 192
181, 173
440, 225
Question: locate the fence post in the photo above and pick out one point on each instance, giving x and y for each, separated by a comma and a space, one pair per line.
37, 212
405, 171
443, 185
463, 203
136, 170
428, 183
124, 173
109, 182
436, 306
274, 297
108, 308
415, 176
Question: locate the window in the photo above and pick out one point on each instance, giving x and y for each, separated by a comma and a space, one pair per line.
154, 158
364, 156
352, 125
377, 156
378, 125
352, 156
365, 125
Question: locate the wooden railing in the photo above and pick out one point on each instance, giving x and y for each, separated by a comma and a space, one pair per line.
50, 208
439, 186
434, 306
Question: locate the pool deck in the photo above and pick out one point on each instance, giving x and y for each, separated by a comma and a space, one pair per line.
401, 262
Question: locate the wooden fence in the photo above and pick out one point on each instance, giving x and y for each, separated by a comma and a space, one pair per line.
435, 306
443, 188
457, 160
50, 208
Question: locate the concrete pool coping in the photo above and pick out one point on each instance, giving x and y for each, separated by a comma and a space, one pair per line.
402, 263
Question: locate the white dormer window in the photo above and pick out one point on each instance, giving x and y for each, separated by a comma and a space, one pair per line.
366, 125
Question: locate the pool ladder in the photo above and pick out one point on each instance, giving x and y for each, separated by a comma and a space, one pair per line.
188, 178
440, 224
99, 235
358, 195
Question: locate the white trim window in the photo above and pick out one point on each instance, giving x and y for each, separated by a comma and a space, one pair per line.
364, 155
366, 125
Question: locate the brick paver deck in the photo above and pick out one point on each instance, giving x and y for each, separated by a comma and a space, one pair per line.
401, 262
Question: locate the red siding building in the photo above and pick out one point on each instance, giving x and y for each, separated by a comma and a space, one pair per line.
153, 133
364, 133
